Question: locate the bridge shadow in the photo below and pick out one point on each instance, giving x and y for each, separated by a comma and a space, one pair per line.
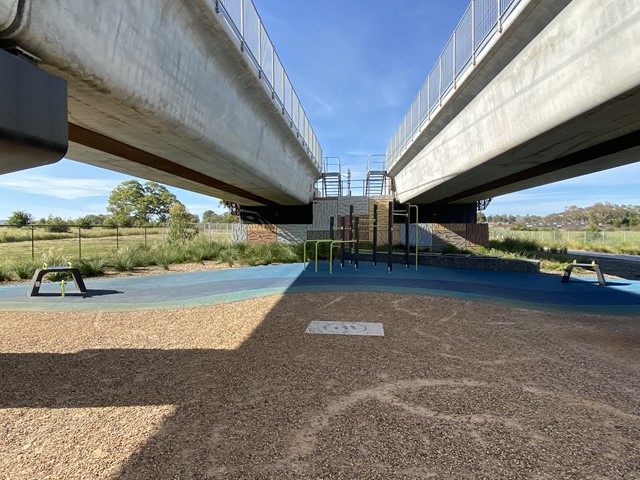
236, 412
88, 294
222, 399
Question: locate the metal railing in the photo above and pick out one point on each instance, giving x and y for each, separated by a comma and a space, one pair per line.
481, 22
245, 23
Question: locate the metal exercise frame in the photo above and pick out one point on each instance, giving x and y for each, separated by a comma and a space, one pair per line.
354, 259
407, 214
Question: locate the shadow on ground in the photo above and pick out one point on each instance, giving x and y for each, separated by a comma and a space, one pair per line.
455, 388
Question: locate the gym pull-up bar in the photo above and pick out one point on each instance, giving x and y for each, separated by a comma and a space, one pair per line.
407, 214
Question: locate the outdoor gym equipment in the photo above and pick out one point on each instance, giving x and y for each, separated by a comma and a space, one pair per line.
407, 214
332, 242
593, 266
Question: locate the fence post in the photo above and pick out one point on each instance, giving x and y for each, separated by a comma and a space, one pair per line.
79, 242
145, 237
117, 241
32, 244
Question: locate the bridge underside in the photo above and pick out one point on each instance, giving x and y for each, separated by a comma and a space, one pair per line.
568, 105
161, 90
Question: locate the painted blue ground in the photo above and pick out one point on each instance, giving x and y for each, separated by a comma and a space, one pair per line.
178, 290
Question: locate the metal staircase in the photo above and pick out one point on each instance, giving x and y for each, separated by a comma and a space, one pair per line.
331, 181
376, 182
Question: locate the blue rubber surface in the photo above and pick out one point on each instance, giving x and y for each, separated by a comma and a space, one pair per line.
540, 291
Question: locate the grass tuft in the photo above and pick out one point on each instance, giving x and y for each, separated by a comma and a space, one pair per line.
5, 273
24, 270
93, 267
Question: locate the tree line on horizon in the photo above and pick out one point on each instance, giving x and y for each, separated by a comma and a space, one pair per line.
595, 217
130, 204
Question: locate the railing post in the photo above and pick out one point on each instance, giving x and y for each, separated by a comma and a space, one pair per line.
429, 98
273, 69
473, 31
242, 25
440, 81
455, 83
259, 49
499, 15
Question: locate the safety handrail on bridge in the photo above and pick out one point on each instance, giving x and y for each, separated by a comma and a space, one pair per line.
245, 22
481, 22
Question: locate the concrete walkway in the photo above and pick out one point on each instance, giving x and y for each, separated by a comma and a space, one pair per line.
179, 290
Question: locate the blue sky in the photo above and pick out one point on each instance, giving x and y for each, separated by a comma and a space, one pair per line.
356, 66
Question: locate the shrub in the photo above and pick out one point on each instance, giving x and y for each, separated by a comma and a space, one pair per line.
200, 250
92, 267
260, 254
284, 253
180, 228
229, 255
453, 249
4, 273
57, 225
164, 255
20, 218
524, 247
24, 270
55, 257
127, 259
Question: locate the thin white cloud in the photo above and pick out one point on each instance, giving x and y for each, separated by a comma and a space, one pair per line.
57, 187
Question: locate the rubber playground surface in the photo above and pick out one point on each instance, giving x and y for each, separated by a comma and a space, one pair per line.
179, 290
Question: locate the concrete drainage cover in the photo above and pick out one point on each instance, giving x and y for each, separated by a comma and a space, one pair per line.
346, 328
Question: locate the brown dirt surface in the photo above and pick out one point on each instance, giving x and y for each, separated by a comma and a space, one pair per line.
455, 389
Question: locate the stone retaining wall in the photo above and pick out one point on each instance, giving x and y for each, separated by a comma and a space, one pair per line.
473, 262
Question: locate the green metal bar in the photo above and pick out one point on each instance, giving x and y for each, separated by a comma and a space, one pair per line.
318, 242
331, 251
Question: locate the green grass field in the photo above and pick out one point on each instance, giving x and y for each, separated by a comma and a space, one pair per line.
16, 244
620, 241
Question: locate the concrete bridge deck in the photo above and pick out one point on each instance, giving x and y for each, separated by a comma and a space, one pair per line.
176, 92
554, 96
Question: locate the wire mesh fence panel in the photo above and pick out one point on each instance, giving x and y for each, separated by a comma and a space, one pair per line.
486, 19
571, 238
481, 21
464, 44
447, 67
244, 20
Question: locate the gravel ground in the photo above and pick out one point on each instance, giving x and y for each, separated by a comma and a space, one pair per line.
455, 389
